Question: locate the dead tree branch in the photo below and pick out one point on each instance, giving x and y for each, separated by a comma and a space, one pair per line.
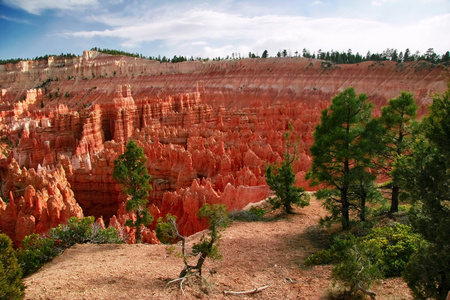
246, 292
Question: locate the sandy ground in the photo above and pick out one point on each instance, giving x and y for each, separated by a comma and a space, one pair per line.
255, 254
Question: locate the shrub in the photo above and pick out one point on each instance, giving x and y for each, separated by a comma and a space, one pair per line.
167, 232
397, 244
76, 231
357, 266
423, 275
11, 286
35, 252
104, 236
332, 255
252, 215
81, 231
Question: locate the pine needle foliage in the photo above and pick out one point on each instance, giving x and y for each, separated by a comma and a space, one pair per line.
281, 180
425, 174
11, 286
130, 171
344, 144
398, 119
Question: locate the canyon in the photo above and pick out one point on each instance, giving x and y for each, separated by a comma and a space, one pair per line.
208, 130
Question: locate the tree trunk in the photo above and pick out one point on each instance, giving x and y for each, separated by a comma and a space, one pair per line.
288, 207
184, 272
394, 199
362, 214
200, 262
138, 234
344, 195
345, 209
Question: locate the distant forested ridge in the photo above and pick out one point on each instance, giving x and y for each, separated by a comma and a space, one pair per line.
336, 57
38, 58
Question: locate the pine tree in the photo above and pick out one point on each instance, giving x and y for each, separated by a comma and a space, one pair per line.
11, 286
130, 171
281, 180
426, 177
397, 119
344, 143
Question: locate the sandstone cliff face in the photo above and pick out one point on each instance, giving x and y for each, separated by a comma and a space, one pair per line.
208, 129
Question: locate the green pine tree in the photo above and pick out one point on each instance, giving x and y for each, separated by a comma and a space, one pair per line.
426, 177
344, 143
397, 119
130, 171
281, 180
11, 286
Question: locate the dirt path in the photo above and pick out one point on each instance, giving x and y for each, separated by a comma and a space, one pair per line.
255, 254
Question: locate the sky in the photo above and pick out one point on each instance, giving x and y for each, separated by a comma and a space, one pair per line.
219, 28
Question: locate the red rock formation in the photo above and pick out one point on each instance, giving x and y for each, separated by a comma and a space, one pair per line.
208, 129
185, 203
38, 200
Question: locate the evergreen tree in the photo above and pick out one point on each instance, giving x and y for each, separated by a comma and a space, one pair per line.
446, 57
281, 180
426, 177
265, 54
400, 57
11, 286
364, 189
407, 56
394, 55
397, 118
344, 143
430, 55
130, 171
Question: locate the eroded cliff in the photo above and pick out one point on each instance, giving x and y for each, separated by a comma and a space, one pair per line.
208, 129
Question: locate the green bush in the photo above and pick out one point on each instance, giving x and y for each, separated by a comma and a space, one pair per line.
104, 236
322, 257
82, 231
358, 265
11, 286
35, 252
252, 215
426, 269
397, 244
332, 255
76, 231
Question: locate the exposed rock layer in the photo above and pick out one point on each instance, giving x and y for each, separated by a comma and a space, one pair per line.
207, 128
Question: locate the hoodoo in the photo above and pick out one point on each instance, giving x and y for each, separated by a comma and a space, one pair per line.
208, 130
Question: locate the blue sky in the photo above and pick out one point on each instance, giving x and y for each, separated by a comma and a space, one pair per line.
205, 28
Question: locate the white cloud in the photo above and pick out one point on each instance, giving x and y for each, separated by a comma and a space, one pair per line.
214, 33
15, 20
36, 7
179, 29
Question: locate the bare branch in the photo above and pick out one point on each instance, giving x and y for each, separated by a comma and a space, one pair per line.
256, 290
367, 292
